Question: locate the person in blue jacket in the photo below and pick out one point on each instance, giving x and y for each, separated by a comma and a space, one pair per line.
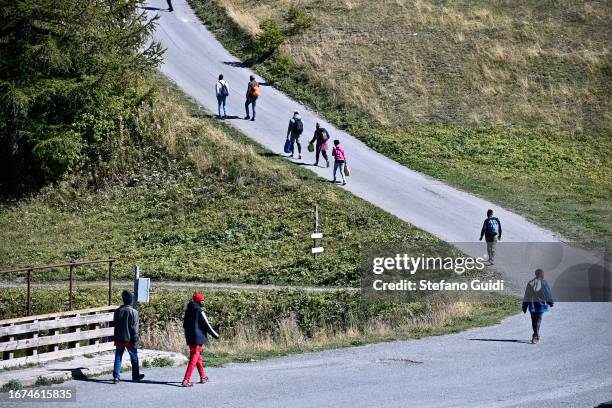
538, 299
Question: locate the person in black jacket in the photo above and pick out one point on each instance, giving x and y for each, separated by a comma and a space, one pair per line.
126, 336
492, 231
197, 328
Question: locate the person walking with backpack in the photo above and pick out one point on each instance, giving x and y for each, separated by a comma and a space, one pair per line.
252, 94
294, 131
321, 137
126, 337
492, 232
222, 91
339, 160
538, 300
197, 328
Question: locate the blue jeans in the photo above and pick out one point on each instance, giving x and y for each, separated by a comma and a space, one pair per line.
133, 359
339, 164
250, 100
221, 103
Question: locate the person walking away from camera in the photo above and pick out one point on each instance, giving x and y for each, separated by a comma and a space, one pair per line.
197, 328
222, 91
538, 300
252, 94
320, 137
126, 337
339, 160
294, 131
492, 232
170, 8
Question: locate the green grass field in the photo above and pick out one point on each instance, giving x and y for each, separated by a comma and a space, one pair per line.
511, 102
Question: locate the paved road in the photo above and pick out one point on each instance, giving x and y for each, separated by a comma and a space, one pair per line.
489, 367
572, 367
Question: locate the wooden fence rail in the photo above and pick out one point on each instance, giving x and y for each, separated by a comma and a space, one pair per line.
29, 270
52, 336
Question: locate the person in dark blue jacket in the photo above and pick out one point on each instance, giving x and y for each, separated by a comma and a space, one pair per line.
538, 299
197, 328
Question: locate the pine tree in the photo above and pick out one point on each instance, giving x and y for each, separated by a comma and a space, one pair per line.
70, 75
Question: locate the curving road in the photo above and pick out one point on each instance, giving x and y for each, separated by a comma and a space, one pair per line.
487, 367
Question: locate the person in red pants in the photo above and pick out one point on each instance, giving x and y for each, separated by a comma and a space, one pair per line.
197, 328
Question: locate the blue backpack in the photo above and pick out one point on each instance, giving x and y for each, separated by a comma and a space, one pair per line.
491, 227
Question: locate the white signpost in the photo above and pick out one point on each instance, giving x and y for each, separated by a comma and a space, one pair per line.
316, 235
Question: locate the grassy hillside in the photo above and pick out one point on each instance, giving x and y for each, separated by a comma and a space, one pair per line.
510, 101
206, 205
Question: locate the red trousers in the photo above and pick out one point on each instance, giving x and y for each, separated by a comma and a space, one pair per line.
195, 360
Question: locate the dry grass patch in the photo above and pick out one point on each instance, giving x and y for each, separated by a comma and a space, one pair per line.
371, 54
249, 338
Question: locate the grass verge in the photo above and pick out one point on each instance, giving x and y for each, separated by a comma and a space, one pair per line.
258, 325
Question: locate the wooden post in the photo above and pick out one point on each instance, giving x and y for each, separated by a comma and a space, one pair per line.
70, 287
75, 329
55, 333
8, 355
34, 350
29, 294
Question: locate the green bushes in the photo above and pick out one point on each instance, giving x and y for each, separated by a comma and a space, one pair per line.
260, 310
270, 37
273, 35
299, 20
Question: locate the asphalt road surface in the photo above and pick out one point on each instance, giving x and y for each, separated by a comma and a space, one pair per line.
488, 367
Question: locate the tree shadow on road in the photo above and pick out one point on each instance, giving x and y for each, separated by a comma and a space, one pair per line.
504, 340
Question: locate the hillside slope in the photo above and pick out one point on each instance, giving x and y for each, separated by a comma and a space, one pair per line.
206, 205
510, 102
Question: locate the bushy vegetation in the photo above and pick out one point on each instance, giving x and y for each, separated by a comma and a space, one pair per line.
267, 323
272, 34
70, 87
521, 117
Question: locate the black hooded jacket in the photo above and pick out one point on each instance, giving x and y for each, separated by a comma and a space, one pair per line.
196, 325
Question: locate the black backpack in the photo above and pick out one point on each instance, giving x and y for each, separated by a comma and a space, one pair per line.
298, 126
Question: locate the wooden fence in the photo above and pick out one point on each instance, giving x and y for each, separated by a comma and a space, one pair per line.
29, 270
53, 336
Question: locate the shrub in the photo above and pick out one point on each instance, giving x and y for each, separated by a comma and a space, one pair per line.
299, 20
270, 38
70, 85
